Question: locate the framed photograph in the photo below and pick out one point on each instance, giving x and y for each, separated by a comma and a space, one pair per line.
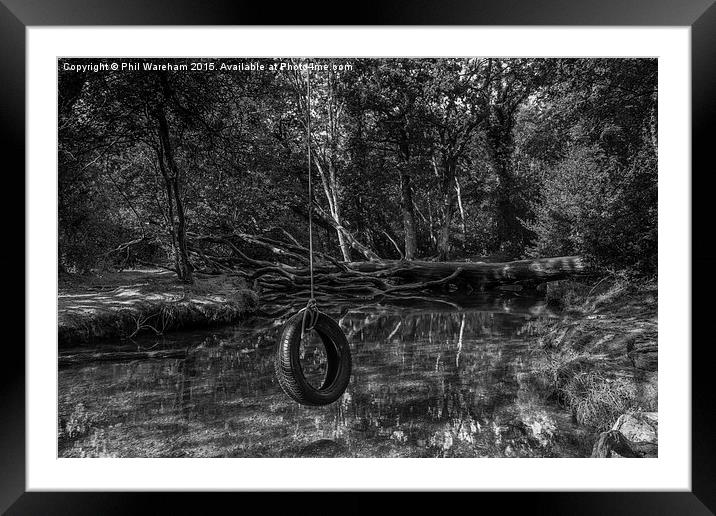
431, 251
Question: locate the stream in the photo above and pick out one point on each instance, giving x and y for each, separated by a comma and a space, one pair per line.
430, 379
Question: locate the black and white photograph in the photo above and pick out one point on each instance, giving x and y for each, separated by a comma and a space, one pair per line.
357, 257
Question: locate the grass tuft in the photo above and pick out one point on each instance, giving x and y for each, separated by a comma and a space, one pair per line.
597, 401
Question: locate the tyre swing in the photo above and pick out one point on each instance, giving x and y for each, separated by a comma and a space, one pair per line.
289, 371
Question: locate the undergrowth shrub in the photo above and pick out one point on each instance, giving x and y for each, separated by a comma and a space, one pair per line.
592, 205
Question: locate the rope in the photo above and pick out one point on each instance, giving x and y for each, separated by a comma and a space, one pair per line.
310, 183
311, 308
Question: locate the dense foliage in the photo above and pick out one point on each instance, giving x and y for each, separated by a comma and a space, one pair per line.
415, 158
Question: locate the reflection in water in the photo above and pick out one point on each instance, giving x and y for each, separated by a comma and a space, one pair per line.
428, 381
313, 359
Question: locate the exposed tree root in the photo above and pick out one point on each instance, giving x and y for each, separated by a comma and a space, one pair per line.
278, 267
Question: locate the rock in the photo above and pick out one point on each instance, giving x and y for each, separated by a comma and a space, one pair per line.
633, 435
639, 427
643, 355
613, 444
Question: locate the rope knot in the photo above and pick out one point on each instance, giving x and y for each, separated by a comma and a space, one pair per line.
310, 313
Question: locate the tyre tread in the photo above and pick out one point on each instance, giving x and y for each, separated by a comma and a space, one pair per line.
291, 380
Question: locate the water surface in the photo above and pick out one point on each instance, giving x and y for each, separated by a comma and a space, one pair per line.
429, 380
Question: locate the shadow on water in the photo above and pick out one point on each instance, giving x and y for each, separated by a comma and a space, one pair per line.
447, 379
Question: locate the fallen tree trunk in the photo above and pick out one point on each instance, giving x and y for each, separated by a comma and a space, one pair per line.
477, 273
288, 274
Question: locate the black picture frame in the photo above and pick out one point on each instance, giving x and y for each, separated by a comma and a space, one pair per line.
17, 15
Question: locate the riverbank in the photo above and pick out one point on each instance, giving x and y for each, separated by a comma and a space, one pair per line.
600, 359
135, 302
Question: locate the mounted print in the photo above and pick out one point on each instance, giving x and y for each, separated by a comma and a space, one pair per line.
357, 257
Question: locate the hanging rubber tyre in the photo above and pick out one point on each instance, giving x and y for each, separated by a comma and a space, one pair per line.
288, 362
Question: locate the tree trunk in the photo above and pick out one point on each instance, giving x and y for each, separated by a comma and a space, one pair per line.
448, 196
505, 222
186, 267
406, 196
171, 220
406, 207
345, 237
462, 209
172, 177
509, 229
323, 156
328, 175
342, 240
500, 136
431, 225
